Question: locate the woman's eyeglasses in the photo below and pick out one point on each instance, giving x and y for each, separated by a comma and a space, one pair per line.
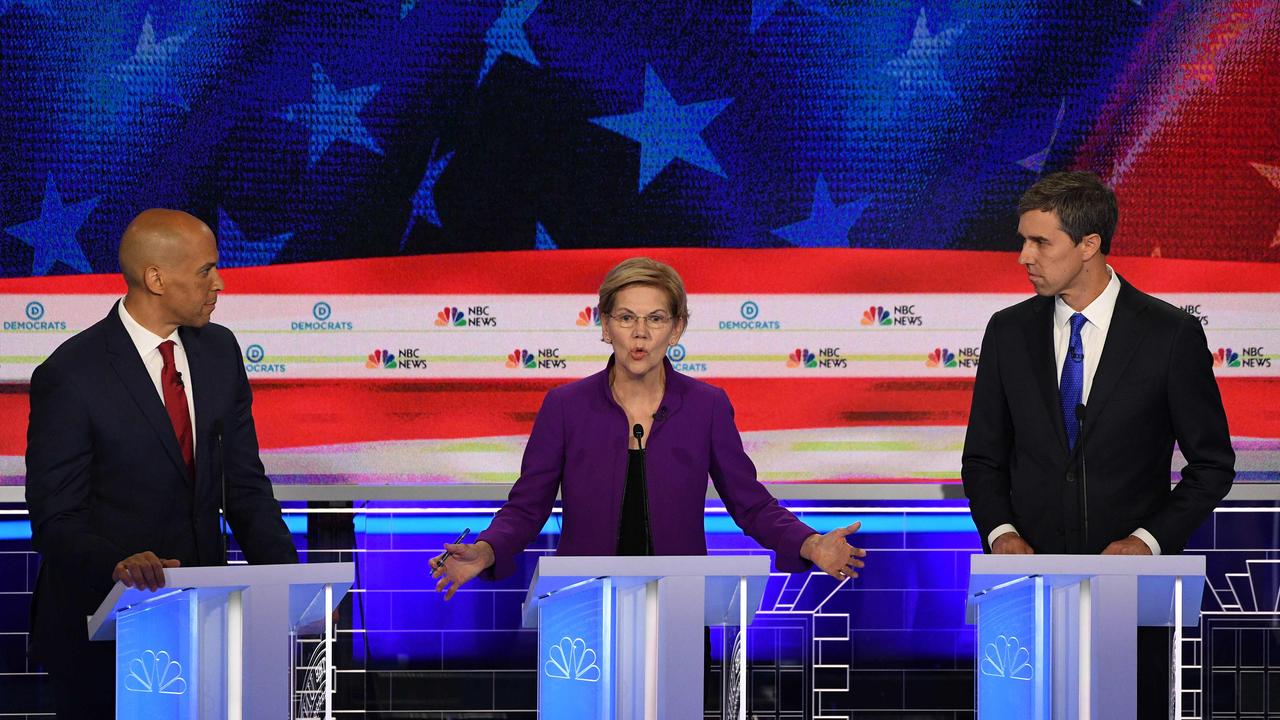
656, 321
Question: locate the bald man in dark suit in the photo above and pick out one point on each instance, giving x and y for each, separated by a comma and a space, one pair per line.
123, 476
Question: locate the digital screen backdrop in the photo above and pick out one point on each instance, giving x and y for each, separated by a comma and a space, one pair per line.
415, 203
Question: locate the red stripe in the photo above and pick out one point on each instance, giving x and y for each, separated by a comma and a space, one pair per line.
704, 271
320, 412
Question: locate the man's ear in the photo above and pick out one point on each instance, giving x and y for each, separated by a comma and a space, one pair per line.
1090, 245
153, 279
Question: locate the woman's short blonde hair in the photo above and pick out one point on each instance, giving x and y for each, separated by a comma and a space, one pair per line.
645, 271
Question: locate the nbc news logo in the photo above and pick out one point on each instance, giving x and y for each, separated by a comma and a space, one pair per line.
895, 316
965, 357
543, 359
1250, 357
472, 316
827, 357
589, 316
403, 359
876, 315
1195, 312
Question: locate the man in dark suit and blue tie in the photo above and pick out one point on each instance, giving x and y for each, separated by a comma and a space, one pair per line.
1080, 395
134, 423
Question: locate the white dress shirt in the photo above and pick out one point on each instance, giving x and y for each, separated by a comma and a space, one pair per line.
1093, 336
148, 346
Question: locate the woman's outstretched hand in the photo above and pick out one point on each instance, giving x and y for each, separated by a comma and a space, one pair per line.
465, 561
833, 554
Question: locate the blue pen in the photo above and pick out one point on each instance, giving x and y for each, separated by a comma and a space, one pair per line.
462, 536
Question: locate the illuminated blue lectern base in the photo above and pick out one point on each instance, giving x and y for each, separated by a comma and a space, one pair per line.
1057, 634
621, 637
216, 641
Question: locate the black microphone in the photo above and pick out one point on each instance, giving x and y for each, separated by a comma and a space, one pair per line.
1084, 481
659, 416
637, 431
222, 484
179, 374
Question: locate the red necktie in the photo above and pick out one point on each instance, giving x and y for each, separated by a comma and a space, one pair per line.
175, 402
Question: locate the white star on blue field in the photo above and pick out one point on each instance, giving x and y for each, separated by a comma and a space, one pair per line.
234, 250
332, 115
424, 199
506, 35
1035, 161
542, 239
919, 70
53, 234
149, 73
762, 10
828, 225
667, 130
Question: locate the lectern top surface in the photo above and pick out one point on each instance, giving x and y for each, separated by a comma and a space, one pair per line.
301, 579
986, 571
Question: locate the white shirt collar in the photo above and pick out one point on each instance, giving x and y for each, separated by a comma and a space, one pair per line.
143, 339
1098, 312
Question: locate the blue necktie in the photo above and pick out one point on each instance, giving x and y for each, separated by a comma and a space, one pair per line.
1071, 389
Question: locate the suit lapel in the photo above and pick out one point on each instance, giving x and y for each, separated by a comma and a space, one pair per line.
200, 394
1123, 338
124, 359
1044, 367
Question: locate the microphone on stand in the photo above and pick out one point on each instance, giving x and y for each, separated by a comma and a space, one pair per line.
1084, 481
222, 484
637, 431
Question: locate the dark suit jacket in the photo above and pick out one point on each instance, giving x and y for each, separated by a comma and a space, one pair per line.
105, 477
1154, 384
578, 447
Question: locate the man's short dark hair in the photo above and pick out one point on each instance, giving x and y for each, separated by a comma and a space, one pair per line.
1084, 205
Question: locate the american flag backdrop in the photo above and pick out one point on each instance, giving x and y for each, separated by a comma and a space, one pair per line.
416, 202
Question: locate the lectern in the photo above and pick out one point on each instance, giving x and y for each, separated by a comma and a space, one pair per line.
216, 642
622, 637
1057, 634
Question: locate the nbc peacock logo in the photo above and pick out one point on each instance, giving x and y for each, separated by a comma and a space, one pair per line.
1226, 357
876, 315
589, 317
801, 357
520, 358
1006, 657
381, 359
941, 357
571, 659
155, 672
451, 317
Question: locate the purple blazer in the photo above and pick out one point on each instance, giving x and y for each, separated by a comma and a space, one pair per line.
579, 447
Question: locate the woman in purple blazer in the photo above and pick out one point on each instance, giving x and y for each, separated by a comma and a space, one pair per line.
617, 498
